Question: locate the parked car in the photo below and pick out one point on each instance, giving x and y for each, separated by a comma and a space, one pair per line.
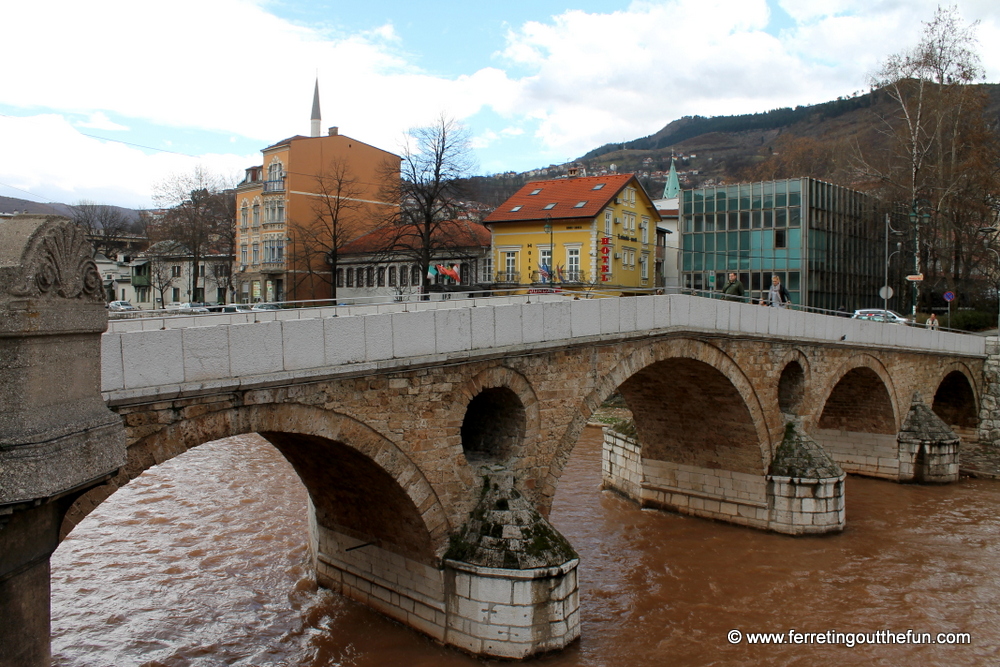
236, 308
266, 306
880, 315
187, 307
121, 307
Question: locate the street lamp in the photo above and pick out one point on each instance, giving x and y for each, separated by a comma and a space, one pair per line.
986, 231
917, 218
552, 248
885, 285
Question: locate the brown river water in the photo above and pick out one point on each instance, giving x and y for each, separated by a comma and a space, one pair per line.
203, 561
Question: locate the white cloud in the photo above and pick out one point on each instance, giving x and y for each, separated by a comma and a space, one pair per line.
100, 121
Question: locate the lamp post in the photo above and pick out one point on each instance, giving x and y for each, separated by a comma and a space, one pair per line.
986, 231
552, 249
917, 219
885, 285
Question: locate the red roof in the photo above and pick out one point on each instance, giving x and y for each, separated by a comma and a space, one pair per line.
562, 198
449, 234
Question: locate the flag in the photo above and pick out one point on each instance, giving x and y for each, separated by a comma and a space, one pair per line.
559, 273
431, 272
543, 271
457, 270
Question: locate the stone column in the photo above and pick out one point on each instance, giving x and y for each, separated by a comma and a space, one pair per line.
989, 415
928, 448
805, 487
57, 437
510, 578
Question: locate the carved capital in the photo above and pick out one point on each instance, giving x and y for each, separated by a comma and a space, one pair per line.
57, 261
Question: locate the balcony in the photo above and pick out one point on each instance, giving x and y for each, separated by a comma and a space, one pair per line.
508, 276
561, 278
276, 185
275, 266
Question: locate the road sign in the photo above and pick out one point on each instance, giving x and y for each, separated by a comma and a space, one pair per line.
915, 278
949, 296
885, 292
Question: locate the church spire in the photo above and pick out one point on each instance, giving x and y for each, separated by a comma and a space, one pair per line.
672, 190
316, 120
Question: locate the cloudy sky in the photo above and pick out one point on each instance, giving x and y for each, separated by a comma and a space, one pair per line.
106, 98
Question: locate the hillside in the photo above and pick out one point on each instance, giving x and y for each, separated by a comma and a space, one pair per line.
724, 149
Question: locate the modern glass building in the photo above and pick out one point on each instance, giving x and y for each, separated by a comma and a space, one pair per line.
824, 241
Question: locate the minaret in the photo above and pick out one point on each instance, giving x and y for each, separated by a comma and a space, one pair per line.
672, 189
316, 121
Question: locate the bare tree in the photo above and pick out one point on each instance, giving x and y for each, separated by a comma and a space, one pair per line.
200, 215
161, 277
105, 225
933, 147
434, 166
338, 217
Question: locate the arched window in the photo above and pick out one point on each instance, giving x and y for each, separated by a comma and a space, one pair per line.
415, 275
381, 276
404, 276
392, 276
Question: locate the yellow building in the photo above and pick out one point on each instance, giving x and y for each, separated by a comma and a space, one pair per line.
310, 197
592, 232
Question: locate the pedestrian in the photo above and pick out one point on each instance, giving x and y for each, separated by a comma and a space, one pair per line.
778, 296
733, 290
932, 322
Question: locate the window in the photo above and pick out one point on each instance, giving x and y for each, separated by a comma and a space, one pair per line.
175, 271
463, 273
780, 240
549, 207
644, 267
370, 276
536, 191
515, 209
488, 270
415, 276
404, 276
607, 222
256, 214
573, 263
244, 215
644, 227
175, 294
510, 263
580, 204
598, 186
392, 276
350, 277
340, 277
256, 254
243, 254
545, 264
380, 276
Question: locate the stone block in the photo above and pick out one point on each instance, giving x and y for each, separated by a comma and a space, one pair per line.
152, 358
610, 315
627, 314
644, 316
453, 330
112, 369
702, 313
491, 589
206, 353
379, 337
303, 344
662, 311
557, 320
255, 349
413, 334
585, 317
483, 328
508, 326
533, 322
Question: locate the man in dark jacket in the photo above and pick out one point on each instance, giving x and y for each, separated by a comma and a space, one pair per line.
733, 290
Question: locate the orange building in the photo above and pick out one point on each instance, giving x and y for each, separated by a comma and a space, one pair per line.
310, 197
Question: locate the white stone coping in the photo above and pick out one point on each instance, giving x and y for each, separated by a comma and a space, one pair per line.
805, 480
205, 354
521, 575
735, 500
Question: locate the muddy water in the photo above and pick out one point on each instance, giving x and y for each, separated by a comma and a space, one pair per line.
203, 561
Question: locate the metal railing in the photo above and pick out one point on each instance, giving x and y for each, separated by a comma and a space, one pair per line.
277, 185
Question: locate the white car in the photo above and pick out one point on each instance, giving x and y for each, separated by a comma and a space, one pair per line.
121, 307
880, 315
188, 307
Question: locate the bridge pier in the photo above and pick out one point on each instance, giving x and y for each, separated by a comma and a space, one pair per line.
506, 588
803, 492
57, 437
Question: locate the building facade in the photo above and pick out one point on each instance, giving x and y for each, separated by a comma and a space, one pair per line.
823, 241
591, 232
311, 196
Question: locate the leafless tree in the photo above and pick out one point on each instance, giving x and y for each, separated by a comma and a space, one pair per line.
105, 225
338, 216
161, 276
435, 163
200, 214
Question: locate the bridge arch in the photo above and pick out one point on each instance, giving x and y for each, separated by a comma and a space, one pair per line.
861, 390
499, 414
409, 518
956, 399
680, 371
795, 377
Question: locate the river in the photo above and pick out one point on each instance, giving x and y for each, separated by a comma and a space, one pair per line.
203, 561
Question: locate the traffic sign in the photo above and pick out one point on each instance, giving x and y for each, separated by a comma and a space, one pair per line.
885, 292
915, 278
949, 296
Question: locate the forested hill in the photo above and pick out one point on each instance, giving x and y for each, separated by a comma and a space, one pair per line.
690, 127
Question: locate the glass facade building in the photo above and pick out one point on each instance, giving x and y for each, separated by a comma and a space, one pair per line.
824, 241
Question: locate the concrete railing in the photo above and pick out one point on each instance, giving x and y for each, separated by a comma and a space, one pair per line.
191, 355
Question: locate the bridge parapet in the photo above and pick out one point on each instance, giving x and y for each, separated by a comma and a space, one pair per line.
195, 359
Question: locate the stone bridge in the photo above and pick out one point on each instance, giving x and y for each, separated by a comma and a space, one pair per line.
431, 437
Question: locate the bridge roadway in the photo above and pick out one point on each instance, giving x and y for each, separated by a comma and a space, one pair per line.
431, 437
